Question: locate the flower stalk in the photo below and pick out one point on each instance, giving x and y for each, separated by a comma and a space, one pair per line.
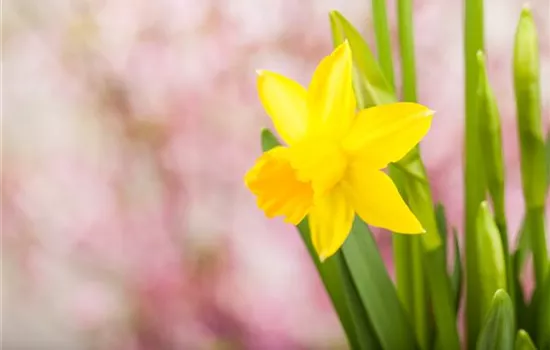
529, 120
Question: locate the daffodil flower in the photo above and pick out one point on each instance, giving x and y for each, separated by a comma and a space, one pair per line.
332, 166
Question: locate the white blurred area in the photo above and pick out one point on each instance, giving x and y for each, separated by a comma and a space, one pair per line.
127, 128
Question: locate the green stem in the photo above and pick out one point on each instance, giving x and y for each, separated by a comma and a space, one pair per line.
529, 117
535, 223
434, 261
383, 40
500, 221
406, 47
408, 250
474, 186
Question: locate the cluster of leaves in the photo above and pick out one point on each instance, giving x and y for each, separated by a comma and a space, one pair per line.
420, 310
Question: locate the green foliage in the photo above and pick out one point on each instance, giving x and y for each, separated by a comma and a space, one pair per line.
420, 310
474, 179
523, 341
498, 329
529, 118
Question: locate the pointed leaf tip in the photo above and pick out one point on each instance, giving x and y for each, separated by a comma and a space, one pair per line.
501, 296
268, 140
497, 332
526, 9
484, 206
523, 341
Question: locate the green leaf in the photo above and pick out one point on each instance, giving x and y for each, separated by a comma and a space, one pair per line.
408, 259
421, 203
473, 177
441, 219
535, 311
498, 329
523, 249
456, 277
409, 269
366, 338
371, 88
522, 310
337, 280
434, 261
370, 85
268, 140
409, 277
541, 306
376, 289
442, 299
490, 255
523, 341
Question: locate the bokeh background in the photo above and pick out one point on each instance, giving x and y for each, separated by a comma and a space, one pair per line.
127, 128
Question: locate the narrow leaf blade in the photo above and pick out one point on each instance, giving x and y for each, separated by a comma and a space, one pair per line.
456, 277
371, 87
376, 289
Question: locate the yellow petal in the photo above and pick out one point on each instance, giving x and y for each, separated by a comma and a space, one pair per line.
386, 133
376, 200
278, 191
330, 221
331, 102
285, 101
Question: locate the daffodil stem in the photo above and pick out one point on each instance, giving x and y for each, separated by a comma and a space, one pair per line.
411, 289
529, 118
406, 48
535, 224
383, 40
474, 186
432, 257
408, 251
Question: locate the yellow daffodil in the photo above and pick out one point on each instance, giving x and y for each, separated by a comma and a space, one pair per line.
331, 168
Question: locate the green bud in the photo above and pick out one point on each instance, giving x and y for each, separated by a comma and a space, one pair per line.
490, 135
523, 341
499, 326
533, 167
490, 138
528, 103
490, 257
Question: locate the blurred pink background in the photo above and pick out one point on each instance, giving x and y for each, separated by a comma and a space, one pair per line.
128, 126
